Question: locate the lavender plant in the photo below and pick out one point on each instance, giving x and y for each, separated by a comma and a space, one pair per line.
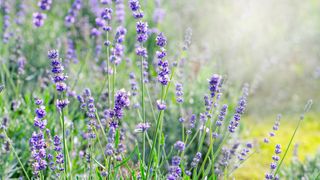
125, 106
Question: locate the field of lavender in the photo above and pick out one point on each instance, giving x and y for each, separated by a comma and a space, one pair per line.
159, 89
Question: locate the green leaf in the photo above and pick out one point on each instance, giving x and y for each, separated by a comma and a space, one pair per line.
117, 137
141, 164
98, 173
162, 139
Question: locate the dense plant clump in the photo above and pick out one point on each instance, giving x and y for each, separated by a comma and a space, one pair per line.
98, 98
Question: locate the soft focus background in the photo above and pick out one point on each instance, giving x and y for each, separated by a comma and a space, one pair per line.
274, 46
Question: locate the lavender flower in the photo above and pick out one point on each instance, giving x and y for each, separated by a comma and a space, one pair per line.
161, 105
196, 159
179, 145
73, 12
239, 110
222, 115
175, 160
207, 102
111, 135
158, 15
163, 65
45, 4
163, 72
133, 83
38, 19
135, 7
6, 21
118, 49
38, 152
142, 127
121, 101
192, 121
214, 84
58, 149
141, 51
142, 30
161, 40
71, 51
37, 142
274, 164
187, 38
174, 172
106, 2
179, 93
120, 11
59, 77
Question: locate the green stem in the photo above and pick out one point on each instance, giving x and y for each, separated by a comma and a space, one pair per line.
98, 118
64, 142
16, 154
143, 110
285, 153
114, 81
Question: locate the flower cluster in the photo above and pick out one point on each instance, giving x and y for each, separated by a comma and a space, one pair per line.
274, 164
161, 105
133, 83
159, 13
6, 21
163, 65
207, 102
73, 12
87, 104
214, 84
38, 152
59, 77
274, 128
45, 4
239, 109
142, 31
111, 135
118, 49
222, 115
135, 7
196, 159
244, 152
142, 127
38, 18
192, 121
121, 101
174, 170
120, 11
59, 155
179, 93
37, 142
145, 65
179, 145
39, 120
71, 51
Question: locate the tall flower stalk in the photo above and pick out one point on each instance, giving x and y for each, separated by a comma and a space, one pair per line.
59, 79
142, 36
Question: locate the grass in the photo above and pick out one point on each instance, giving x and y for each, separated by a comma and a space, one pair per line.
307, 137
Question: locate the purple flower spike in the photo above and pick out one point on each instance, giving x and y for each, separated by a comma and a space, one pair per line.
161, 40
161, 105
179, 145
134, 5
38, 19
142, 127
214, 84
